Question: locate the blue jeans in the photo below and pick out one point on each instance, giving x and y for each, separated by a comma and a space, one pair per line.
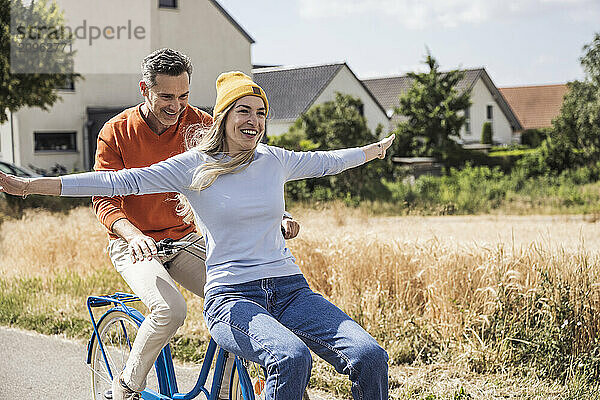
275, 321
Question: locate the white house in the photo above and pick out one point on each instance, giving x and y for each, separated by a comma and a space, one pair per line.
66, 134
293, 90
487, 105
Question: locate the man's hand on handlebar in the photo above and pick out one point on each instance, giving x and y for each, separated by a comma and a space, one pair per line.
142, 247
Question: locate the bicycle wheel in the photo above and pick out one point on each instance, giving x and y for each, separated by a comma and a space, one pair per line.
258, 378
117, 332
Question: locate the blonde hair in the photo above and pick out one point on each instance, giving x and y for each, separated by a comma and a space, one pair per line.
212, 142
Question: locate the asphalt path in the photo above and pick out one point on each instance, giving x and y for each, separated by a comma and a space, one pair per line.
35, 366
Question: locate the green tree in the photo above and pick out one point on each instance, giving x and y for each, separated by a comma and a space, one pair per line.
337, 124
30, 89
590, 61
333, 125
579, 119
578, 124
433, 108
575, 136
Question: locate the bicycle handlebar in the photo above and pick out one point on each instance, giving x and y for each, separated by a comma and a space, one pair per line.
169, 246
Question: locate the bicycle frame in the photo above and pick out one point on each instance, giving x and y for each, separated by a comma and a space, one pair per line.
165, 371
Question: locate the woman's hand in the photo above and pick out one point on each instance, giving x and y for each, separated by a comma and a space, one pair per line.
385, 144
23, 186
14, 185
378, 149
290, 228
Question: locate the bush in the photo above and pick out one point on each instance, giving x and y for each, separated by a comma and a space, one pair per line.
470, 190
552, 157
458, 158
481, 189
534, 137
486, 133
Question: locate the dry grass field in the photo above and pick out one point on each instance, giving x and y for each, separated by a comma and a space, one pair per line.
468, 307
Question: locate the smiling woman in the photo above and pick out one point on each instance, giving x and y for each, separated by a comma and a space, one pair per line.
241, 105
245, 125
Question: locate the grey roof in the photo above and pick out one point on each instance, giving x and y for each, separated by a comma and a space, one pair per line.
387, 90
233, 21
291, 91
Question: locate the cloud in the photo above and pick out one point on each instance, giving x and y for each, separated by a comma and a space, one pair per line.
419, 14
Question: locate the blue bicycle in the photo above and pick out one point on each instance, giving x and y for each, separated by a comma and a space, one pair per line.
115, 331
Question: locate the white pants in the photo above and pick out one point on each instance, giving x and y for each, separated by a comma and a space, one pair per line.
155, 286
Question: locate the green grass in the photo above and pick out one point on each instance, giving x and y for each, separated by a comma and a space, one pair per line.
23, 303
511, 152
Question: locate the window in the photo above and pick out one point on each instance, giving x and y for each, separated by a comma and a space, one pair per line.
55, 141
167, 3
490, 112
69, 84
468, 121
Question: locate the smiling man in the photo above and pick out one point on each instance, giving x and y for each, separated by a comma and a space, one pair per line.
141, 136
166, 98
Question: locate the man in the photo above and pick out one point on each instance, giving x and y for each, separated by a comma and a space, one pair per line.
140, 136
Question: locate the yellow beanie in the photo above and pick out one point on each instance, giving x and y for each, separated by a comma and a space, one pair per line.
234, 85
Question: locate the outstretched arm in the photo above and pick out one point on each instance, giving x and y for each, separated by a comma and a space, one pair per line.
171, 175
312, 164
23, 186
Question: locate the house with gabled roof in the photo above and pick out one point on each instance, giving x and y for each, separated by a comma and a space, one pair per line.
488, 105
293, 90
66, 133
535, 106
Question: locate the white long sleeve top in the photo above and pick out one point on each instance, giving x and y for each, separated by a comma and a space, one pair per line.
239, 215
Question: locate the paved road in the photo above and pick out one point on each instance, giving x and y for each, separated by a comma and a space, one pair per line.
35, 366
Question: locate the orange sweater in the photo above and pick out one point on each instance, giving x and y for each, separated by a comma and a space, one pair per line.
126, 141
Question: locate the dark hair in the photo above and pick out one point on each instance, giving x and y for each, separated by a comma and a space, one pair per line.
165, 61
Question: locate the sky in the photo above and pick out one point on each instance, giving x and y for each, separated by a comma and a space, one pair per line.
519, 42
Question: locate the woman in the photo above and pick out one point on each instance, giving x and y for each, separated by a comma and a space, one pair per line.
257, 302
